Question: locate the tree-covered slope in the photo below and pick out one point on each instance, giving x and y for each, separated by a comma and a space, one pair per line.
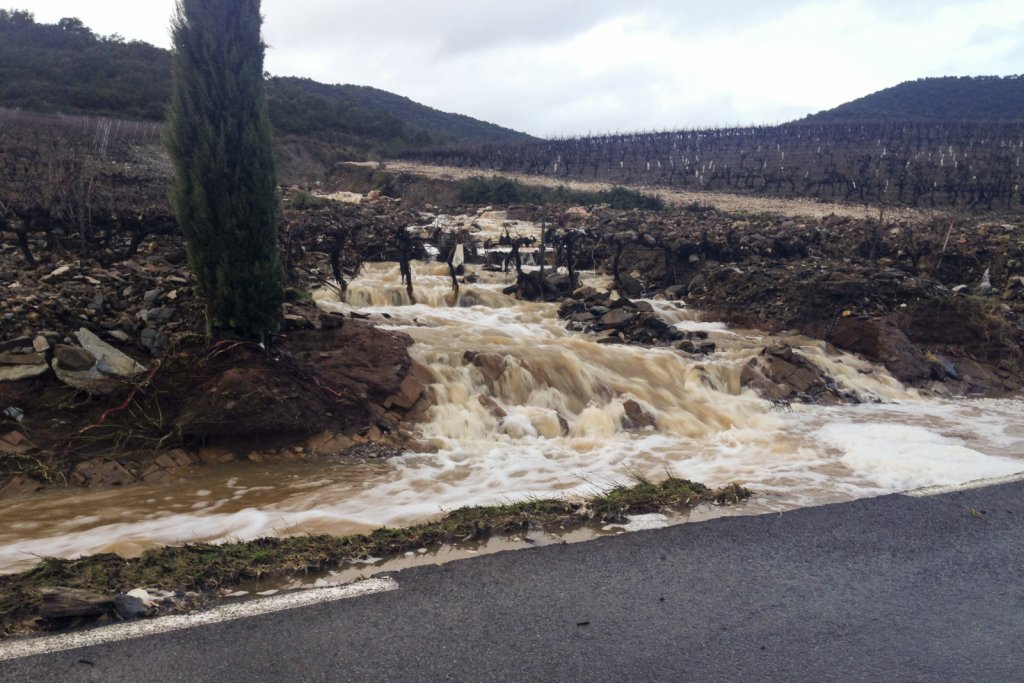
306, 107
66, 67
950, 98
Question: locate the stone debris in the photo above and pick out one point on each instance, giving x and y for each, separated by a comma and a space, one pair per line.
170, 466
101, 472
73, 358
14, 373
215, 456
129, 607
329, 443
782, 375
619, 321
409, 392
109, 360
13, 443
19, 485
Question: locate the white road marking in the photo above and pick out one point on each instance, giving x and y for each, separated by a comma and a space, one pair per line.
976, 484
137, 629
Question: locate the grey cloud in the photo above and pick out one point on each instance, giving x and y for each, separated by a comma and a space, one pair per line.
506, 61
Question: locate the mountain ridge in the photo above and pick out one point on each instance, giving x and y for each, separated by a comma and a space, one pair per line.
942, 98
65, 67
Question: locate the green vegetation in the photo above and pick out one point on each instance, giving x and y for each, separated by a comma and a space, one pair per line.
205, 567
949, 98
353, 115
304, 200
225, 190
66, 67
645, 496
505, 191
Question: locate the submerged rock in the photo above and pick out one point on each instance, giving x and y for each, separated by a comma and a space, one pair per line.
780, 374
636, 417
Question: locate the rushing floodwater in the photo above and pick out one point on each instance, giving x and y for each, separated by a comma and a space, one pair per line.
562, 434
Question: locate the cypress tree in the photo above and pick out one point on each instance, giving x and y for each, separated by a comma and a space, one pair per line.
225, 190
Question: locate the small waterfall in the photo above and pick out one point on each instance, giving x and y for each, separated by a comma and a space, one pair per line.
524, 407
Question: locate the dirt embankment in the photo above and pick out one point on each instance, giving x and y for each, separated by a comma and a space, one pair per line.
102, 356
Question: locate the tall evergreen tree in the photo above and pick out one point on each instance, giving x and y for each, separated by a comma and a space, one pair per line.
225, 193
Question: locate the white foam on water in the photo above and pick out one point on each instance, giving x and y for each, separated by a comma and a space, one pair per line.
898, 457
654, 520
560, 429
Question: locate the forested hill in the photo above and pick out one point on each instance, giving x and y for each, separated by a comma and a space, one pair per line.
66, 67
306, 107
950, 98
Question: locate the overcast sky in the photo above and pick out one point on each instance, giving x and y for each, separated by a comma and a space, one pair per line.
558, 67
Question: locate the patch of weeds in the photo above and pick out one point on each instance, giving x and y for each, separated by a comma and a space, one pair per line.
645, 496
294, 295
304, 200
505, 191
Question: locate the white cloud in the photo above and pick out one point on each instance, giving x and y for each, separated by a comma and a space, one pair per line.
573, 66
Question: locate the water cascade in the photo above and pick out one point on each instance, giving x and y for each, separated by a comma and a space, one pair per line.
523, 407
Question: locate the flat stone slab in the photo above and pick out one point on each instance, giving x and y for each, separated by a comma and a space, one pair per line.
22, 358
109, 360
13, 373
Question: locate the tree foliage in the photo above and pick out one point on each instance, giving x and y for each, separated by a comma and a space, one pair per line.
66, 67
219, 139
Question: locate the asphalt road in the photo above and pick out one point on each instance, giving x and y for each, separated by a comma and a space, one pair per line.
887, 589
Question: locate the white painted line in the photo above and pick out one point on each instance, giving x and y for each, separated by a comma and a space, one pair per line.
976, 484
137, 629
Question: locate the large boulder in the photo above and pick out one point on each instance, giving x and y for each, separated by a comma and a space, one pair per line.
881, 341
781, 374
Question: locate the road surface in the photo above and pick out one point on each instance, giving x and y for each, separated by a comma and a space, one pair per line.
896, 588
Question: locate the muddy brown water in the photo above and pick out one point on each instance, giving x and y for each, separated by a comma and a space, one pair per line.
561, 434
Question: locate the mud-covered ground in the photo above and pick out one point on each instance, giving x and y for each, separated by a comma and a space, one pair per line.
327, 384
936, 298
